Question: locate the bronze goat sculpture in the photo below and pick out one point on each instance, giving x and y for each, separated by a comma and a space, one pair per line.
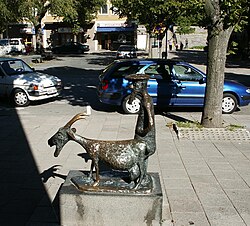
122, 155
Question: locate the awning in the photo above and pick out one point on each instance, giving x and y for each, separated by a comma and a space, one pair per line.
115, 29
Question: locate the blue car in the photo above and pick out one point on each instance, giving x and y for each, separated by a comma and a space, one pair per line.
172, 83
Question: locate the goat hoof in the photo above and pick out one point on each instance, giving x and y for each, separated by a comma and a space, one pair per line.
135, 187
96, 184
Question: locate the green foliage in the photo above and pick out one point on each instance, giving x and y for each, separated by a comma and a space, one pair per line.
189, 124
75, 12
198, 47
183, 13
185, 29
233, 127
153, 12
9, 12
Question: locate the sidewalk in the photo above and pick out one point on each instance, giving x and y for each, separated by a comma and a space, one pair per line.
204, 182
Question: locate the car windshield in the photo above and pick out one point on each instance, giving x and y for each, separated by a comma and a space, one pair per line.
14, 67
126, 48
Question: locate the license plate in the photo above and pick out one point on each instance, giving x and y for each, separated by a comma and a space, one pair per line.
51, 90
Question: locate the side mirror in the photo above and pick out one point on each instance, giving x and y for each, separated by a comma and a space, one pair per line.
202, 81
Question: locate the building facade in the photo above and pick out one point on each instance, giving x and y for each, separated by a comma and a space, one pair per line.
106, 32
109, 31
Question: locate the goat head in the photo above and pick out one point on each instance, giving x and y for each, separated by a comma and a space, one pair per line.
63, 135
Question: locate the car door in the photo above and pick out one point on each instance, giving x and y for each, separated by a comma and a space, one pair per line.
161, 87
190, 84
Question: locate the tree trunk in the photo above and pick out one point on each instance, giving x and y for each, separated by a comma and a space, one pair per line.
218, 38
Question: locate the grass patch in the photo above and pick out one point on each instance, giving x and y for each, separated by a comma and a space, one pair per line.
233, 127
197, 47
187, 124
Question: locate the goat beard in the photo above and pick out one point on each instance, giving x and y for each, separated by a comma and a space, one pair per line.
57, 151
58, 147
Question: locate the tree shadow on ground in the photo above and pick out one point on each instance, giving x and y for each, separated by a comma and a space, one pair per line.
190, 56
200, 57
102, 58
80, 87
22, 191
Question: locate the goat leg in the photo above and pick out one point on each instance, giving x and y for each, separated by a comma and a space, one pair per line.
97, 173
91, 170
142, 170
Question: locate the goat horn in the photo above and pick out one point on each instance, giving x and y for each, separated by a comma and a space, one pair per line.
74, 119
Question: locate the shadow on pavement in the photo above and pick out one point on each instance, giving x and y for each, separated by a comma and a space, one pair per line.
80, 87
190, 56
102, 58
200, 57
21, 187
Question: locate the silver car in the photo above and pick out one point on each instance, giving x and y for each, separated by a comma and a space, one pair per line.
126, 51
23, 84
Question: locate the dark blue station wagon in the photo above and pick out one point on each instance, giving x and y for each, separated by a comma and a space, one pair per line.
172, 83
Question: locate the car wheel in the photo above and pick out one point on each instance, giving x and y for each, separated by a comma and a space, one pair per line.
20, 98
229, 103
132, 108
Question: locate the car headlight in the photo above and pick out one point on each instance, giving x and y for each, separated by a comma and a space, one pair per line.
248, 90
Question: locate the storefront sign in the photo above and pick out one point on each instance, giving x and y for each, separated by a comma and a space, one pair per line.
111, 25
64, 30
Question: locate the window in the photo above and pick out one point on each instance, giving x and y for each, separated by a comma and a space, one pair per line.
15, 67
159, 71
103, 9
185, 73
126, 70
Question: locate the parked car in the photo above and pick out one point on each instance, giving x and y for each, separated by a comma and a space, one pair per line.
126, 51
22, 84
171, 83
71, 47
17, 45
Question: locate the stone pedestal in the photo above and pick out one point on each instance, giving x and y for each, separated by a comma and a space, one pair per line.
100, 208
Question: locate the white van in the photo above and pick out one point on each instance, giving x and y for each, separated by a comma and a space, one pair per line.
17, 45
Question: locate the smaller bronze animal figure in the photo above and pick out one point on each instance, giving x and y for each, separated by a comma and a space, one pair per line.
145, 126
120, 155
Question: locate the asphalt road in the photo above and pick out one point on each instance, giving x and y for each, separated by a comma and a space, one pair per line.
79, 74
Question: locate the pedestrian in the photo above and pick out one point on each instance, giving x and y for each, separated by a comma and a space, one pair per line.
186, 43
181, 46
170, 44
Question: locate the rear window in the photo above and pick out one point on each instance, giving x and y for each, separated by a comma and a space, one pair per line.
124, 70
126, 48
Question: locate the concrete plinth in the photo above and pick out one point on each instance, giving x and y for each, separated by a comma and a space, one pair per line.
100, 208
